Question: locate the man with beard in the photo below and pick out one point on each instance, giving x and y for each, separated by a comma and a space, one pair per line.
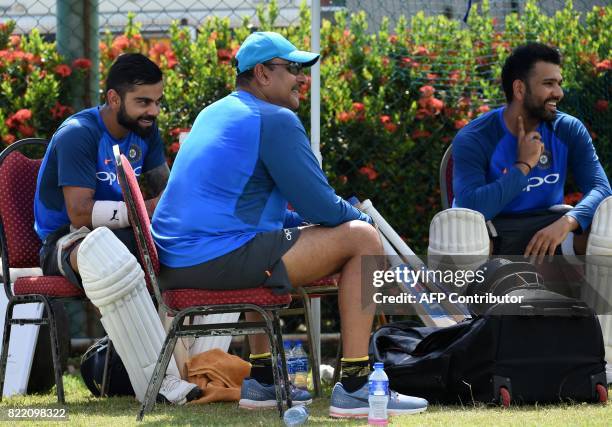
77, 191
511, 164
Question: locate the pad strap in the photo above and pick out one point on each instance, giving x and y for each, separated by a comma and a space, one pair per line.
111, 214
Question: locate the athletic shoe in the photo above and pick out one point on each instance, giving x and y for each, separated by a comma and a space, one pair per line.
255, 395
355, 405
178, 392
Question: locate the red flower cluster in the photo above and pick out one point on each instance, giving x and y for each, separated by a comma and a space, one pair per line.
59, 111
174, 147
177, 131
163, 50
357, 113
121, 44
19, 122
369, 171
604, 65
484, 109
601, 105
572, 198
461, 123
81, 64
62, 70
225, 56
429, 105
420, 134
305, 88
388, 124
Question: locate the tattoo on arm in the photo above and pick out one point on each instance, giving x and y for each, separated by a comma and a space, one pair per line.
156, 179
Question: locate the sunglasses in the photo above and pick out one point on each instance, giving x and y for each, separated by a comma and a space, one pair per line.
294, 68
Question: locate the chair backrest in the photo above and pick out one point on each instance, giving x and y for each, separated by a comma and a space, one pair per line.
139, 219
446, 179
18, 175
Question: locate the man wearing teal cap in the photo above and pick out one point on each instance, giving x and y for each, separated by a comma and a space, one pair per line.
223, 223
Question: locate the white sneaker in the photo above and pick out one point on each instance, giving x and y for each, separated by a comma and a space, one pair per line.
178, 392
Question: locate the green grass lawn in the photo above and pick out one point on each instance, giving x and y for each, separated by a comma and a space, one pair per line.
85, 410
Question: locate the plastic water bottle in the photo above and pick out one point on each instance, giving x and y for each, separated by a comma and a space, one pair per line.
295, 416
290, 358
378, 396
301, 366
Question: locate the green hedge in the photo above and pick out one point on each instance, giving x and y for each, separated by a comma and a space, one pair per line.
391, 100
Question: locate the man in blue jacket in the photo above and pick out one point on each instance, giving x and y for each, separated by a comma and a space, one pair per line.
223, 223
512, 163
514, 160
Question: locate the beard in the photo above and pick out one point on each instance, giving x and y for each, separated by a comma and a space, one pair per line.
537, 110
132, 124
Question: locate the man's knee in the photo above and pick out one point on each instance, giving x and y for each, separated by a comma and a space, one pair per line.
362, 237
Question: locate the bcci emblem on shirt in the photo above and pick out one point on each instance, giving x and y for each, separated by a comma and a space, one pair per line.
545, 160
134, 153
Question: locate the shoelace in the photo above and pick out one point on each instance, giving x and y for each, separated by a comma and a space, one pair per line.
170, 382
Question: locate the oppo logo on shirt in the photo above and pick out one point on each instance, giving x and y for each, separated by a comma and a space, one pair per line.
537, 181
111, 177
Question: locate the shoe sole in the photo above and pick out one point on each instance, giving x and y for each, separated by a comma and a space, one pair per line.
363, 412
267, 404
194, 393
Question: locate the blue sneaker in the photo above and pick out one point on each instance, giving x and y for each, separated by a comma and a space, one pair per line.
255, 395
355, 405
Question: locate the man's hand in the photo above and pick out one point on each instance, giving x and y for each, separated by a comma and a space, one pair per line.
529, 147
547, 239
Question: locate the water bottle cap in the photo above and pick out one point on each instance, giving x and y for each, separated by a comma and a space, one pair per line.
379, 365
287, 344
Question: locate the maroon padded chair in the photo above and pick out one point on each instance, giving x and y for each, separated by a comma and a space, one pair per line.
20, 247
446, 179
182, 303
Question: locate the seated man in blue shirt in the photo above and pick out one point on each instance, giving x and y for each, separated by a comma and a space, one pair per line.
223, 223
514, 161
511, 165
77, 191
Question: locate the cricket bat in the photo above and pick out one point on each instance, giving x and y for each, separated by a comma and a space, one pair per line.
436, 313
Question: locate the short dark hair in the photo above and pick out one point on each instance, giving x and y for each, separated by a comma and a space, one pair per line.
522, 60
244, 78
132, 69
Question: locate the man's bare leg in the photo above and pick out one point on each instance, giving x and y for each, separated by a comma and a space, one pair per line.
321, 251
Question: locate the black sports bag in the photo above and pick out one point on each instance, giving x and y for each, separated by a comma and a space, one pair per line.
550, 349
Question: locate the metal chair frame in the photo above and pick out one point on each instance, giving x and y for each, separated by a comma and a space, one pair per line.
270, 325
444, 190
48, 317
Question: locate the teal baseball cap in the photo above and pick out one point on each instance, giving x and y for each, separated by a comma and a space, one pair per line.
262, 46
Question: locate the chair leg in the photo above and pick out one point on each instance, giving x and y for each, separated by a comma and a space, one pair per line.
6, 338
55, 350
283, 357
313, 346
158, 372
107, 373
278, 379
338, 364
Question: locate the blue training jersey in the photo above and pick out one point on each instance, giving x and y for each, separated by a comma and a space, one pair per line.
242, 161
80, 154
485, 178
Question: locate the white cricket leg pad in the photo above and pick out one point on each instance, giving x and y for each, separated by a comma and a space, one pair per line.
599, 270
460, 235
114, 282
